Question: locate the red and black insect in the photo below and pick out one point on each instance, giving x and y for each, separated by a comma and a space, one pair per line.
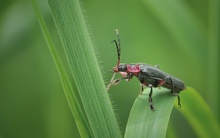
149, 76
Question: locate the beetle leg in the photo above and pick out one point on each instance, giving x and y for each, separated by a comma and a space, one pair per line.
127, 78
171, 83
176, 94
110, 83
172, 91
150, 100
116, 81
179, 104
142, 89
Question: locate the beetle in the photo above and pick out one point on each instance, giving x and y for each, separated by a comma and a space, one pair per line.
149, 76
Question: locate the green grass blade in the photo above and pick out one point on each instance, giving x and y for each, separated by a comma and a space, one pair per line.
66, 83
143, 122
199, 115
171, 133
84, 67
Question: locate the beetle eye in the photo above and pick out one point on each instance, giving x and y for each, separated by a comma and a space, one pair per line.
122, 68
119, 68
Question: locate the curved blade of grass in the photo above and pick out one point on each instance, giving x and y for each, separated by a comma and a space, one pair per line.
199, 115
143, 122
84, 67
171, 133
66, 83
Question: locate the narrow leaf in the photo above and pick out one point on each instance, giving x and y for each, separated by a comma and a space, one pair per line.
199, 114
71, 26
66, 83
143, 122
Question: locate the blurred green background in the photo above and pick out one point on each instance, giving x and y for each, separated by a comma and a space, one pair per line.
181, 36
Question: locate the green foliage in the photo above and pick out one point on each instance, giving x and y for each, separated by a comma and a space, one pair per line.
179, 36
84, 68
199, 114
71, 96
143, 122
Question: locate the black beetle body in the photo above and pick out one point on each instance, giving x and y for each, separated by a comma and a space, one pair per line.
154, 76
149, 76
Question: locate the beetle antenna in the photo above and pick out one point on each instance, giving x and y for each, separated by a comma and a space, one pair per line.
118, 46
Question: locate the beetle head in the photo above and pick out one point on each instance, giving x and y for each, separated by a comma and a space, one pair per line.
120, 68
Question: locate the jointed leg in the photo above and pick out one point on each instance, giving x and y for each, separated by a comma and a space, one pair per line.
142, 89
179, 104
172, 91
111, 81
116, 81
178, 97
171, 83
150, 100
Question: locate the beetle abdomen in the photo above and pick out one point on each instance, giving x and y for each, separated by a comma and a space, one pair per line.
177, 84
150, 75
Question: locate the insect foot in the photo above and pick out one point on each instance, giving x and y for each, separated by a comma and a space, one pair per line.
151, 104
176, 94
116, 81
